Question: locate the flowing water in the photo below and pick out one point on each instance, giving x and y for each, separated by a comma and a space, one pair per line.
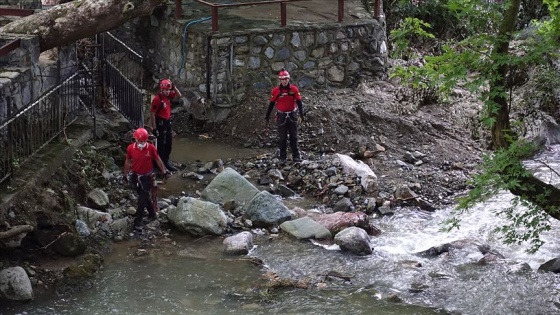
194, 277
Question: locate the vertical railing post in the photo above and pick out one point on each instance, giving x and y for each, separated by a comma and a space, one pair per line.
214, 19
9, 161
341, 10
178, 9
282, 13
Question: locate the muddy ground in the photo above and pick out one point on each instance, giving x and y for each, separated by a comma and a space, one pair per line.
375, 115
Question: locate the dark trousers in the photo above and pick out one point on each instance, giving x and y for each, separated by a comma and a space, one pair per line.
287, 126
164, 139
142, 185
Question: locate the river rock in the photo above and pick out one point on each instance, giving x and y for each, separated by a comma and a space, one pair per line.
15, 284
338, 221
552, 265
238, 244
344, 205
368, 179
197, 217
69, 245
91, 216
305, 228
98, 198
354, 240
264, 210
229, 185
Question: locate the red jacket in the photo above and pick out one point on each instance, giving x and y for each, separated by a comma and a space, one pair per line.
142, 159
285, 97
161, 105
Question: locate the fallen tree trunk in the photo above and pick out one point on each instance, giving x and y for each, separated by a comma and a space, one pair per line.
16, 230
68, 22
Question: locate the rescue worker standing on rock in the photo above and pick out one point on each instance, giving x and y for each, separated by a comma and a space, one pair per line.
138, 172
161, 119
286, 96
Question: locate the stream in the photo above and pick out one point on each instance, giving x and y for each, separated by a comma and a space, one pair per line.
193, 276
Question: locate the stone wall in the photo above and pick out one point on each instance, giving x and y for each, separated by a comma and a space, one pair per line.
25, 73
225, 66
25, 4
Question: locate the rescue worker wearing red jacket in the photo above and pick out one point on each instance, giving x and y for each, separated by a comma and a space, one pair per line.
286, 96
138, 172
160, 110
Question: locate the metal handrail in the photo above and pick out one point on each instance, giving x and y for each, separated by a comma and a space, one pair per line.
6, 49
215, 6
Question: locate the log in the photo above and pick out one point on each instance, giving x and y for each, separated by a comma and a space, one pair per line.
69, 22
16, 230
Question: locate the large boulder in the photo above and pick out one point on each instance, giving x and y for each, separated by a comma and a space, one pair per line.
15, 284
552, 265
264, 210
353, 240
338, 221
229, 185
305, 228
197, 217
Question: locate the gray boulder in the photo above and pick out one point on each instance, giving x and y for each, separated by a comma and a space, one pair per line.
354, 240
197, 217
238, 244
264, 210
305, 228
15, 284
229, 185
98, 198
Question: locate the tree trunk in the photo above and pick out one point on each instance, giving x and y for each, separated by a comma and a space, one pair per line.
66, 23
501, 128
532, 189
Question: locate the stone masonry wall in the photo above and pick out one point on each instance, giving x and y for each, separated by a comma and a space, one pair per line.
225, 66
25, 73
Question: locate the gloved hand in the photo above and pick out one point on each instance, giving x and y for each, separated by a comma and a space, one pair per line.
124, 178
156, 133
301, 119
166, 175
267, 119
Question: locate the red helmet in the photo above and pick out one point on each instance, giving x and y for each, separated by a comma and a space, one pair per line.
283, 75
141, 134
165, 84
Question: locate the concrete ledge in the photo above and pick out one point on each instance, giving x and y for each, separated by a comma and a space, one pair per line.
41, 166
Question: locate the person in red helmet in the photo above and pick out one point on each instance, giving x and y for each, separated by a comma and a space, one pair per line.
161, 119
286, 97
138, 172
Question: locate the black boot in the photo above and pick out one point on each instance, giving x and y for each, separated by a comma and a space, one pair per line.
169, 167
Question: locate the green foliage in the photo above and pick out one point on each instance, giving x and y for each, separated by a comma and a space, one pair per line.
474, 58
411, 29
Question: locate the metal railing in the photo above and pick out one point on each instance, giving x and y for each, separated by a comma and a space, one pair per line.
29, 129
123, 74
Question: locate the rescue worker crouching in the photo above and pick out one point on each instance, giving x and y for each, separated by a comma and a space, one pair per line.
138, 172
160, 110
285, 97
